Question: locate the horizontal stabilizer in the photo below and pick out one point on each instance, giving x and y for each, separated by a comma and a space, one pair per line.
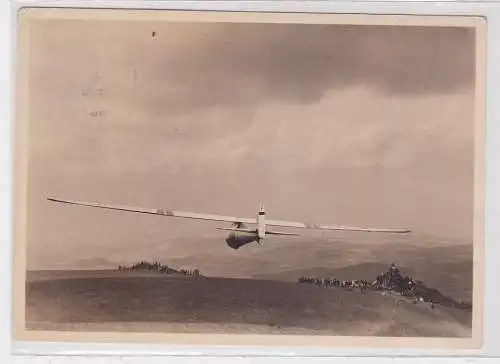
280, 233
253, 231
242, 230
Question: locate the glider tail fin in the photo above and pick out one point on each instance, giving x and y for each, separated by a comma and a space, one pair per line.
261, 221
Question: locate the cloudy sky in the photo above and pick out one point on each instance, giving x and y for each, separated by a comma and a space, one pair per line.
324, 123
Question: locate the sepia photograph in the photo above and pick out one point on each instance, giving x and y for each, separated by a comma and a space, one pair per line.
252, 177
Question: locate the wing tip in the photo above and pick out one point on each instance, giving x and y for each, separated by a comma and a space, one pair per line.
55, 199
395, 231
52, 199
405, 231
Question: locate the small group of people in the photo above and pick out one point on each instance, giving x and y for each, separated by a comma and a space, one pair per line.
189, 272
393, 280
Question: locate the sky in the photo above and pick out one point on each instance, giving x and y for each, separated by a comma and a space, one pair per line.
334, 124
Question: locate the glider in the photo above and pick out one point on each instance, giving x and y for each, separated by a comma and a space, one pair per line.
239, 233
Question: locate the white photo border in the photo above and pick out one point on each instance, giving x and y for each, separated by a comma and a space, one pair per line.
487, 9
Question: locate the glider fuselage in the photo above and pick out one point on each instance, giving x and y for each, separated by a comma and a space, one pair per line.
237, 239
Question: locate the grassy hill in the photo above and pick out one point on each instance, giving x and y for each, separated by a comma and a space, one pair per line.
134, 302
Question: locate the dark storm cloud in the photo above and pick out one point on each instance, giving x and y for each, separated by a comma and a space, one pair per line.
188, 67
248, 63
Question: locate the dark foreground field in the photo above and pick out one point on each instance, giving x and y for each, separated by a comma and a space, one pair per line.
117, 301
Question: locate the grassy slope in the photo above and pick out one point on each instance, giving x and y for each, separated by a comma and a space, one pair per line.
290, 307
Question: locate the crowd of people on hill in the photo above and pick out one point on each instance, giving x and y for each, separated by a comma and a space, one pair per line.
159, 268
391, 281
334, 282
